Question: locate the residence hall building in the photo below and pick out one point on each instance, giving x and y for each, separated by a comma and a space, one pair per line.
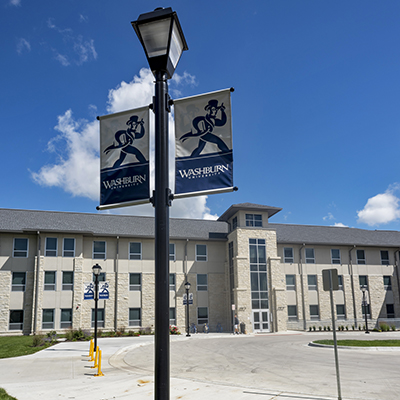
269, 274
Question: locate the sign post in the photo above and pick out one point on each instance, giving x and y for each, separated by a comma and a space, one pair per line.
331, 282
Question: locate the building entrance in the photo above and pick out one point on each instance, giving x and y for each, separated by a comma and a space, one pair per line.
260, 321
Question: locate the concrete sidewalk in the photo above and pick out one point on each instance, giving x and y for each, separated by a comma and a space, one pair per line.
64, 372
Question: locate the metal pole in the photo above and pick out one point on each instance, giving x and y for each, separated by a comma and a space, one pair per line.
161, 204
334, 337
187, 313
96, 299
365, 312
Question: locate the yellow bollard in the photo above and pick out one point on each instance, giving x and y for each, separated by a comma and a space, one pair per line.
96, 358
91, 348
99, 373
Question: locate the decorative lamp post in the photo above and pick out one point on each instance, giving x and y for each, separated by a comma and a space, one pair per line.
187, 287
364, 303
96, 272
163, 41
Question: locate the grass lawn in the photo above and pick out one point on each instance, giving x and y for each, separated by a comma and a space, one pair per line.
5, 396
362, 343
15, 346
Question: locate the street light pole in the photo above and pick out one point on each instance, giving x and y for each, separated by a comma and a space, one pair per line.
96, 271
187, 287
365, 308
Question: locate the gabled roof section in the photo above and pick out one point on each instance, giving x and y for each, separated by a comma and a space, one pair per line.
19, 221
233, 209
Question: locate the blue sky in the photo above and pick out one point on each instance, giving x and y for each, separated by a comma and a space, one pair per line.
315, 110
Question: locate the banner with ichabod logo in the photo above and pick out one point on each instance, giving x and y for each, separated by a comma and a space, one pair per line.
124, 157
203, 137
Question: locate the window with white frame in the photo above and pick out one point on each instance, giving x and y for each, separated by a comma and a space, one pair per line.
340, 311
135, 251
69, 247
340, 282
387, 282
290, 282
68, 280
360, 257
135, 317
310, 256
202, 315
99, 250
390, 310
172, 255
384, 257
253, 220
51, 247
288, 255
292, 312
48, 318
135, 281
16, 320
20, 247
172, 285
202, 282
100, 317
314, 312
312, 282
18, 282
363, 280
49, 280
201, 252
66, 318
172, 316
335, 256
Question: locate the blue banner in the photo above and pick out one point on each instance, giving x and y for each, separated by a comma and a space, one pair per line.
203, 137
124, 157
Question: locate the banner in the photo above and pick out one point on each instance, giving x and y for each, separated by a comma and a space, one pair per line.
203, 137
124, 157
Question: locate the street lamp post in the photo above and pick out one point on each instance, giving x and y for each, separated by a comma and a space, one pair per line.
364, 302
163, 41
96, 272
187, 287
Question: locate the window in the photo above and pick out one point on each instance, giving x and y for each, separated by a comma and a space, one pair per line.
202, 315
292, 313
387, 282
202, 284
99, 250
100, 317
20, 247
102, 277
49, 280
335, 256
172, 316
51, 247
340, 280
66, 318
135, 281
253, 220
340, 311
135, 317
258, 274
48, 319
390, 310
172, 282
234, 223
384, 257
135, 251
288, 255
360, 257
312, 282
68, 280
69, 247
172, 255
16, 320
310, 258
201, 252
363, 280
18, 282
314, 312
290, 282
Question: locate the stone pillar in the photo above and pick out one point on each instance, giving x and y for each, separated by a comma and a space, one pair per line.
5, 290
148, 300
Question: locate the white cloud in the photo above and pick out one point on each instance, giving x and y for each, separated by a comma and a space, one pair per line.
381, 209
23, 45
339, 224
15, 2
77, 168
328, 217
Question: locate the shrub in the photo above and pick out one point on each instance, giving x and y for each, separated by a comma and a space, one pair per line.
37, 340
173, 330
393, 327
384, 327
313, 328
320, 328
329, 328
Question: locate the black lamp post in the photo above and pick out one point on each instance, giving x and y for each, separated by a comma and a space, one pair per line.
364, 303
163, 41
96, 272
187, 287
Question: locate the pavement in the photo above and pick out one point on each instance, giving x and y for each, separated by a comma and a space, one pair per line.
219, 366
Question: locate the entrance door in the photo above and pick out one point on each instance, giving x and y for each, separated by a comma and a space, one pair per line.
260, 320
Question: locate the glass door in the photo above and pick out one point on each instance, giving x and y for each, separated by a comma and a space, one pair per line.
260, 320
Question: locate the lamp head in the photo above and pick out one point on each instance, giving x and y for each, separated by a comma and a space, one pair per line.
96, 269
187, 285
